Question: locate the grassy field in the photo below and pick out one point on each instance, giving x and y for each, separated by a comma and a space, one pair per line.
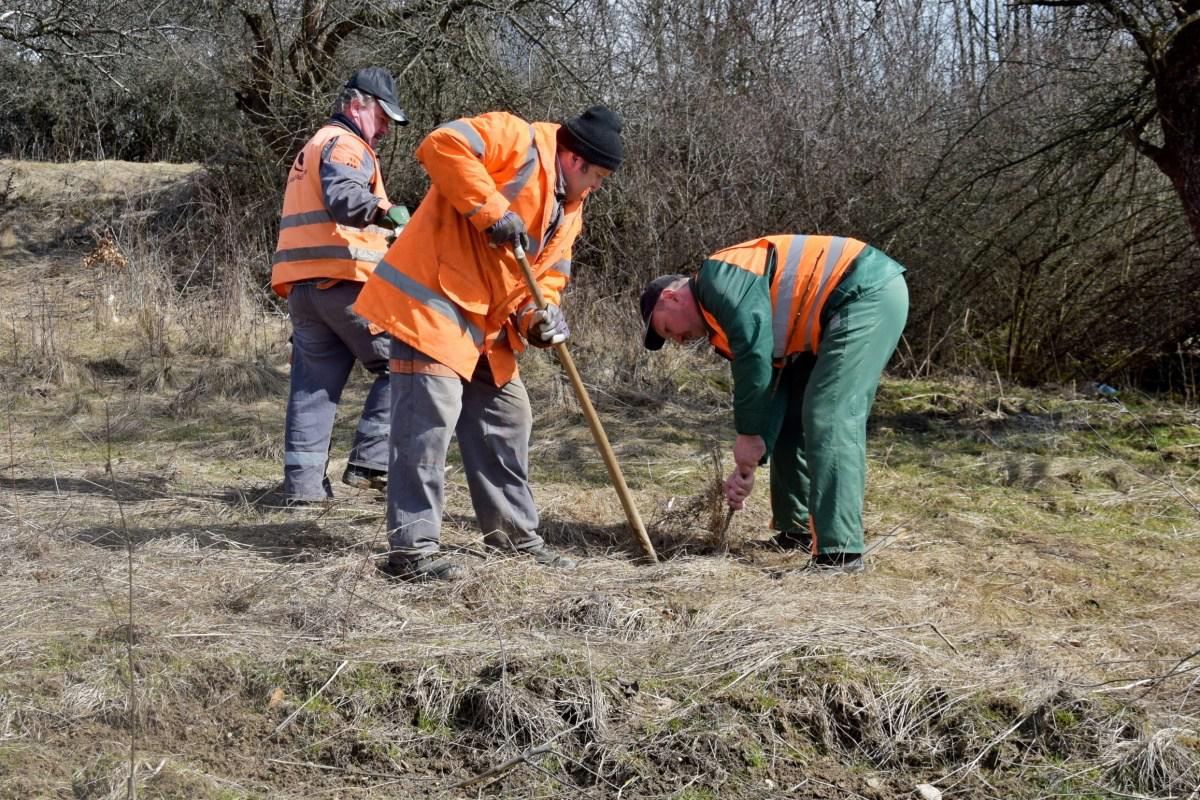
1029, 627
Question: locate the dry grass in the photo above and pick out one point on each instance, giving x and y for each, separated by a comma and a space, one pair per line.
1028, 632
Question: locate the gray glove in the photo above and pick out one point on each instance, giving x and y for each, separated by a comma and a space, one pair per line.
509, 229
548, 326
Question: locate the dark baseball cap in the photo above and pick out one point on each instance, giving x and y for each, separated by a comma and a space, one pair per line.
649, 300
378, 82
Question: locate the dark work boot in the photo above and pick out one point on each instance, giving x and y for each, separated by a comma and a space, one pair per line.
550, 558
420, 570
793, 540
361, 477
838, 562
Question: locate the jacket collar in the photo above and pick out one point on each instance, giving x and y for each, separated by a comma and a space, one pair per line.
341, 120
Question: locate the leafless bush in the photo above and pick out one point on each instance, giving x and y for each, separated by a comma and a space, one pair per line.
240, 380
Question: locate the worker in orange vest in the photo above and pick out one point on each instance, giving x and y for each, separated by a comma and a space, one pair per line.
335, 227
808, 324
454, 298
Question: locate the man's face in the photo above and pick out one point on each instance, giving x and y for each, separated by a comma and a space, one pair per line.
676, 317
371, 120
580, 177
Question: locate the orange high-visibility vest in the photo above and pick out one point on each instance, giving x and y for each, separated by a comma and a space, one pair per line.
442, 288
805, 271
311, 244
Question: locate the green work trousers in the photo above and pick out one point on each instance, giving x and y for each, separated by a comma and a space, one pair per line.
819, 461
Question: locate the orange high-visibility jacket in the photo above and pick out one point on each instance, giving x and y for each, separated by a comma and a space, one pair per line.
802, 272
312, 244
442, 288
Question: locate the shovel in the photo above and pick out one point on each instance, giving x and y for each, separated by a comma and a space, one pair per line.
610, 460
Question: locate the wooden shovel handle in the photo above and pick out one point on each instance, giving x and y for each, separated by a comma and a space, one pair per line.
593, 420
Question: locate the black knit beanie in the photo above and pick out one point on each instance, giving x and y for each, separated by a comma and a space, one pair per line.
594, 136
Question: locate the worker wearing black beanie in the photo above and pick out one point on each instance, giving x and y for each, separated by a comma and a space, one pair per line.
450, 293
595, 136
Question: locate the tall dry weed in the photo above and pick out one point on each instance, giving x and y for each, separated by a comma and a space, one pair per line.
39, 344
1162, 762
195, 281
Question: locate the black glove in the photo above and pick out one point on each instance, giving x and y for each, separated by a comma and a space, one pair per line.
509, 229
394, 219
548, 326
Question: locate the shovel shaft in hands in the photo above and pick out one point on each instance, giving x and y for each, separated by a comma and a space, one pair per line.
593, 420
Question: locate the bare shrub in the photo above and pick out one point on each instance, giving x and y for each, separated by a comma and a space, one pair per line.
239, 380
505, 716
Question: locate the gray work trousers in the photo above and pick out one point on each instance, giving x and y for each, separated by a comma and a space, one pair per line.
327, 338
492, 425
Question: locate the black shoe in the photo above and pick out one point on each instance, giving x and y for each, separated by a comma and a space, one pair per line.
361, 477
786, 541
550, 558
296, 503
420, 570
838, 562
792, 540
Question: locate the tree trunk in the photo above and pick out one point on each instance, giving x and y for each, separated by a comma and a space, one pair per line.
1177, 87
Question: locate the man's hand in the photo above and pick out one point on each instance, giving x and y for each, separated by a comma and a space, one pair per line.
738, 486
548, 326
509, 229
748, 450
394, 219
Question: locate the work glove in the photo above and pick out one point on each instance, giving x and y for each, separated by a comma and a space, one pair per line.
394, 219
509, 229
548, 326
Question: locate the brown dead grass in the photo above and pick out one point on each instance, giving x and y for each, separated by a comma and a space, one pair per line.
1028, 630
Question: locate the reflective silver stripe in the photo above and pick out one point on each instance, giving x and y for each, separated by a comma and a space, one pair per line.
327, 253
831, 259
781, 315
464, 129
428, 298
563, 266
293, 458
513, 188
307, 218
373, 428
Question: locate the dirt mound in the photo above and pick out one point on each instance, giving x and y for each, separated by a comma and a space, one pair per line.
43, 203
